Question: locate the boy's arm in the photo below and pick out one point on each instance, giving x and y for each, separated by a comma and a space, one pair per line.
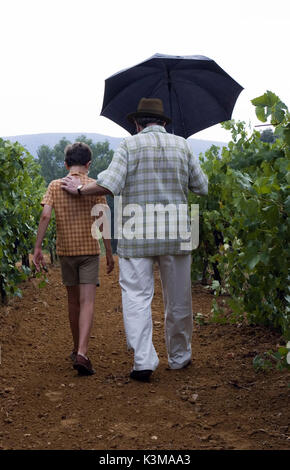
38, 259
109, 255
103, 216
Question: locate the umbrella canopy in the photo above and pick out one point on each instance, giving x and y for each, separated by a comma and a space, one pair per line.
196, 92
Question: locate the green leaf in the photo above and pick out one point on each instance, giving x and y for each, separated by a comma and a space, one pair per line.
287, 205
278, 115
268, 99
260, 113
286, 134
265, 258
283, 351
254, 261
259, 101
42, 284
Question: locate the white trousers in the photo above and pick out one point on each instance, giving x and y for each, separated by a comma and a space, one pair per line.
137, 284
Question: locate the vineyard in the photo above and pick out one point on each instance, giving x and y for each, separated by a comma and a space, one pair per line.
241, 305
21, 191
244, 226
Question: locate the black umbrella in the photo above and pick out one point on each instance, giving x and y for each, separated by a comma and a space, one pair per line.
196, 92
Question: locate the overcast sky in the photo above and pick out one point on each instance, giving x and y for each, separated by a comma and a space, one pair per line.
56, 54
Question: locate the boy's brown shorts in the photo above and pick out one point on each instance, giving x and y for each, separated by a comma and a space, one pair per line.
80, 269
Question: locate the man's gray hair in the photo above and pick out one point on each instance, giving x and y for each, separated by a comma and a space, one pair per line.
144, 121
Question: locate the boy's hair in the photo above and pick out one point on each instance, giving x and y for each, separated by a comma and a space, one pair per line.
77, 154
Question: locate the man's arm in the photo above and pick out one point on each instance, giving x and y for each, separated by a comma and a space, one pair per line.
198, 181
70, 185
38, 259
110, 181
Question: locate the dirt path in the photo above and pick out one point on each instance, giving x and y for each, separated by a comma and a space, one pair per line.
217, 403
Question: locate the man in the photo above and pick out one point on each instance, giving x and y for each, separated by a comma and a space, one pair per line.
78, 251
152, 167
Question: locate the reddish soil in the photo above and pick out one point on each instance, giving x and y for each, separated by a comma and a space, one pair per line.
219, 402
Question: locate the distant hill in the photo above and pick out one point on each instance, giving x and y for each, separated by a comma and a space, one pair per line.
33, 141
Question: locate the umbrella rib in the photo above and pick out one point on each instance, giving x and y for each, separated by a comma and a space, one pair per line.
204, 89
180, 111
123, 90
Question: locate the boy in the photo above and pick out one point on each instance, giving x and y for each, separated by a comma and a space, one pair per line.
78, 251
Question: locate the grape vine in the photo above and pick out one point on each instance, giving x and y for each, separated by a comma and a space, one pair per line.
21, 190
244, 229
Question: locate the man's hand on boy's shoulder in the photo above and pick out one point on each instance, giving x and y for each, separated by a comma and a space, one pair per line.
110, 262
70, 184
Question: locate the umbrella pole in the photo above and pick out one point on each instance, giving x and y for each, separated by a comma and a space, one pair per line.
169, 84
171, 90
170, 102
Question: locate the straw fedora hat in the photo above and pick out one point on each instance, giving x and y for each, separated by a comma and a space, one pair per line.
149, 107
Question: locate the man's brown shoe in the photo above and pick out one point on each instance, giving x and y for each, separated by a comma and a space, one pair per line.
141, 375
187, 364
83, 365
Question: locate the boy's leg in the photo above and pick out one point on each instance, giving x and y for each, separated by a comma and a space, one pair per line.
88, 270
87, 305
74, 312
70, 279
80, 275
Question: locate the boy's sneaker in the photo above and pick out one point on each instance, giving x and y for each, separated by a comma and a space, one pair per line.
83, 365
